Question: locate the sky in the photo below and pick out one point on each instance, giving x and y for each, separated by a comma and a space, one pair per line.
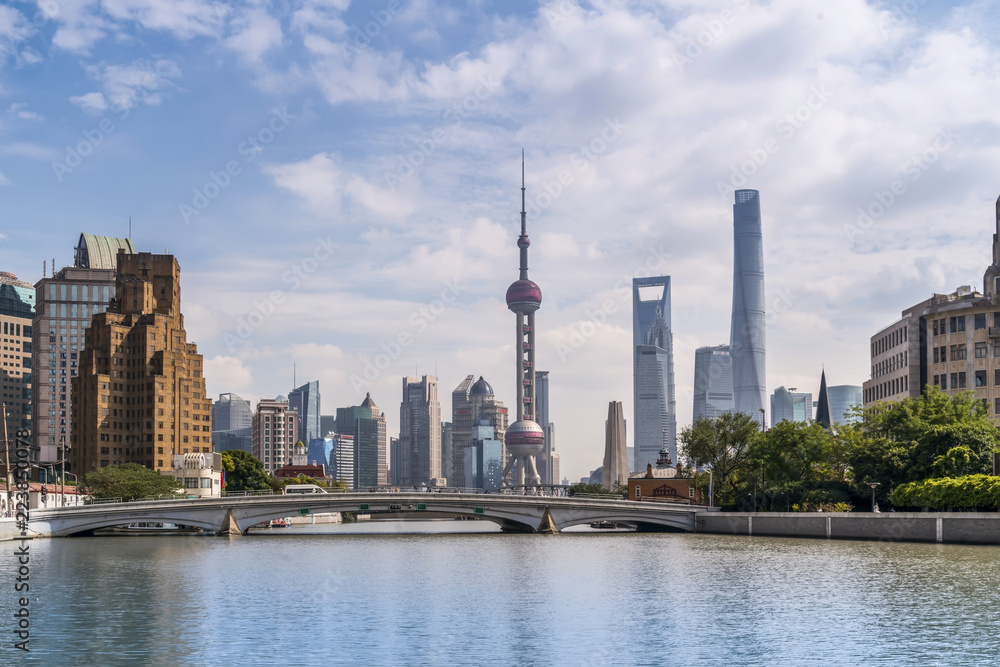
340, 180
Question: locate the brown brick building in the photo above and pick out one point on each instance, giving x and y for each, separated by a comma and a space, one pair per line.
140, 394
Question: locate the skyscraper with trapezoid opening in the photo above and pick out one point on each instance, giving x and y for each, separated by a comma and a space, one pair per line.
653, 364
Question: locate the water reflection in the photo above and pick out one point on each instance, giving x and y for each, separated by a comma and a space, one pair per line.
342, 595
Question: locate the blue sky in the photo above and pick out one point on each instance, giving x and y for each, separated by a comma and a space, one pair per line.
328, 195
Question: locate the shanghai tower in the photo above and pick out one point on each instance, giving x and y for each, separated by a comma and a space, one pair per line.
747, 333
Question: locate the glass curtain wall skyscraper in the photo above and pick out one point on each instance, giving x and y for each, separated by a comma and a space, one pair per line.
746, 339
653, 364
232, 419
713, 381
305, 401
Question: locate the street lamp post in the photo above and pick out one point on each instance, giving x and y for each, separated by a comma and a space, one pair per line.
873, 485
762, 427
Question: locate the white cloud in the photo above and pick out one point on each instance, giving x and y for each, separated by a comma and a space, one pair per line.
126, 86
4, 181
254, 33
20, 111
90, 102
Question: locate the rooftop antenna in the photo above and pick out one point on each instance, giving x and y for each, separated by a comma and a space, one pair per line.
130, 227
44, 269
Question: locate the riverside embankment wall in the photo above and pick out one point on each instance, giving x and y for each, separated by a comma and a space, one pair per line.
945, 527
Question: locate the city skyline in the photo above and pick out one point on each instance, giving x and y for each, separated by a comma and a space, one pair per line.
441, 102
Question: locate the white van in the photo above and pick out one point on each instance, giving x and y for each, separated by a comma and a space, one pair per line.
303, 488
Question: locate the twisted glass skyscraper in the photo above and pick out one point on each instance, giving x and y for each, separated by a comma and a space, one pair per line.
746, 339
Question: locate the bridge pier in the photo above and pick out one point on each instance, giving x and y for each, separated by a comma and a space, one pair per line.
229, 525
548, 525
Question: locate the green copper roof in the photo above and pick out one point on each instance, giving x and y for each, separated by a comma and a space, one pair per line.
100, 252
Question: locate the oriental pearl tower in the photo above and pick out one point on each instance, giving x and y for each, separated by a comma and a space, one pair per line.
525, 439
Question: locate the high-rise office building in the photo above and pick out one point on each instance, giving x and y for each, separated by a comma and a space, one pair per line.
471, 403
525, 439
366, 425
653, 356
843, 399
305, 400
420, 432
140, 394
790, 405
446, 451
395, 462
65, 304
746, 340
232, 419
616, 466
483, 458
327, 424
17, 310
335, 451
713, 381
548, 462
275, 431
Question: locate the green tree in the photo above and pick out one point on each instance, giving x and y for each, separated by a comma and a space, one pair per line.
244, 472
798, 463
724, 444
589, 489
129, 481
920, 438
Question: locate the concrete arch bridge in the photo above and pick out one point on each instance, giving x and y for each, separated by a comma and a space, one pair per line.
236, 514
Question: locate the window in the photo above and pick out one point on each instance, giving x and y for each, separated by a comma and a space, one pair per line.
980, 321
190, 482
935, 355
981, 350
980, 378
954, 381
961, 380
937, 380
206, 482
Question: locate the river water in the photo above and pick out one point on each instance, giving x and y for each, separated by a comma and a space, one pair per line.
378, 594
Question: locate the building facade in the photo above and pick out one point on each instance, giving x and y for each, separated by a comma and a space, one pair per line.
713, 382
655, 425
65, 304
483, 458
615, 470
200, 474
366, 426
471, 403
232, 419
548, 462
420, 432
790, 405
746, 338
305, 400
17, 311
140, 393
896, 367
275, 428
843, 399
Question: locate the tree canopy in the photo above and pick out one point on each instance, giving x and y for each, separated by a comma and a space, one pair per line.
129, 481
723, 444
244, 472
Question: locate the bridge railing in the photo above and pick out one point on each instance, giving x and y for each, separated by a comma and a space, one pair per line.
100, 501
